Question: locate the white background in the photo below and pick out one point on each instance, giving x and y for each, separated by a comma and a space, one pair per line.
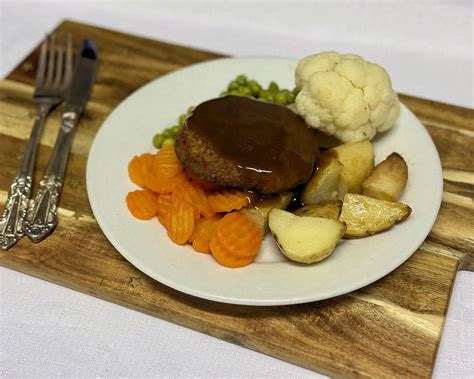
47, 330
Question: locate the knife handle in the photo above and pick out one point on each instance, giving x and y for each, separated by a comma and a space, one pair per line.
12, 219
42, 217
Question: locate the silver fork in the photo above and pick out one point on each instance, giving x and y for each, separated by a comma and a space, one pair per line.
53, 76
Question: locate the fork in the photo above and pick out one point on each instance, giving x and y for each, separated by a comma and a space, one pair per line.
53, 76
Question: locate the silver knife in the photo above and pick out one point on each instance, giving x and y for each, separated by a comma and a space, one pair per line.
42, 215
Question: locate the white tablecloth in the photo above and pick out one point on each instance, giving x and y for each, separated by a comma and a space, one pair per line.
47, 330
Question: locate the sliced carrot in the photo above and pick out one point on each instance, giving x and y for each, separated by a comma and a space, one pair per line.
164, 209
166, 163
181, 223
160, 184
139, 167
227, 200
224, 256
197, 197
142, 204
240, 234
236, 240
202, 234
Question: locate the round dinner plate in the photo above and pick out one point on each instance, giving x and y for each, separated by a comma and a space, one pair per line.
271, 279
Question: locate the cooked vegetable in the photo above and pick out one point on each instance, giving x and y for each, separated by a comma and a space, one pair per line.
181, 119
142, 204
160, 184
326, 183
259, 211
236, 241
365, 216
345, 96
166, 163
158, 140
388, 180
305, 239
227, 200
168, 142
164, 209
139, 167
181, 223
198, 198
330, 209
202, 234
358, 161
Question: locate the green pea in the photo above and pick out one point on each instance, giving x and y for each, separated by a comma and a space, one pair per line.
158, 140
290, 97
245, 91
273, 87
181, 119
175, 129
224, 93
235, 92
168, 142
233, 85
287, 94
191, 109
263, 94
168, 132
241, 79
280, 98
295, 91
254, 87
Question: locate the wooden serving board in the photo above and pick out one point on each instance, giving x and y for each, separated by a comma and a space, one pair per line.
390, 328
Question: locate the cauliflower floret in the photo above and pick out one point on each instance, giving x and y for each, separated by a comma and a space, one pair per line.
345, 96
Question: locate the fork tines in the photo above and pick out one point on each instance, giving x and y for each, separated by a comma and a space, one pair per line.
51, 76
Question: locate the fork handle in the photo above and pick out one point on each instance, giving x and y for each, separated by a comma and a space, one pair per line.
11, 222
42, 217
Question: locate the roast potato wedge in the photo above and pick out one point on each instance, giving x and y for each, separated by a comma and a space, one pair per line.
305, 239
330, 209
365, 216
259, 210
388, 180
326, 183
358, 161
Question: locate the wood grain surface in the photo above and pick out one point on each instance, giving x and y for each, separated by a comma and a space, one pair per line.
390, 328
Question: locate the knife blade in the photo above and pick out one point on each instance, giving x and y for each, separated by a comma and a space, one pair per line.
42, 215
83, 79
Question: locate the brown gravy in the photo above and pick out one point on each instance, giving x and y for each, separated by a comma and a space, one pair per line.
260, 137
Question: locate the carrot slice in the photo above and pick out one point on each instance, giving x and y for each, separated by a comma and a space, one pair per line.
181, 223
139, 167
225, 257
202, 234
197, 197
142, 204
160, 184
164, 209
227, 200
236, 240
166, 163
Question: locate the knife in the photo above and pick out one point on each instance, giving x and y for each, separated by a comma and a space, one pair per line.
42, 214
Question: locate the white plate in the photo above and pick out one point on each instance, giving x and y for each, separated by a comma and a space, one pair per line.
272, 279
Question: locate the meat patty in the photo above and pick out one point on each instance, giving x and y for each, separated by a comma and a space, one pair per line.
240, 142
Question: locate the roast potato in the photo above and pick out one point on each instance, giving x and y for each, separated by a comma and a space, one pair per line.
330, 209
259, 210
365, 216
305, 239
326, 183
388, 180
358, 161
